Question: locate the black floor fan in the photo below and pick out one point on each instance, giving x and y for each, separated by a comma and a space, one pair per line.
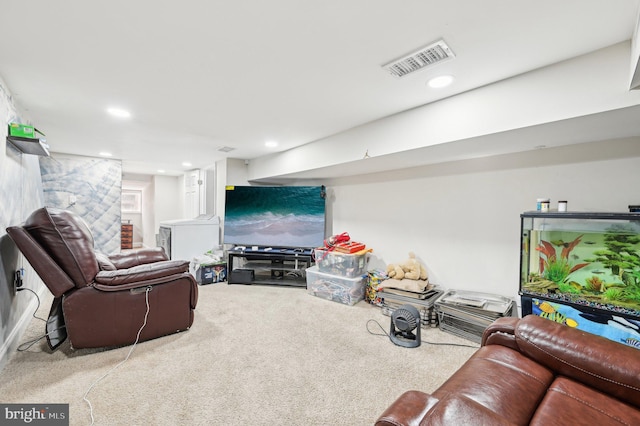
404, 321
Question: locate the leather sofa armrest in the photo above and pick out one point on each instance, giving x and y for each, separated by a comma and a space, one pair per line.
501, 332
141, 274
143, 256
600, 363
409, 409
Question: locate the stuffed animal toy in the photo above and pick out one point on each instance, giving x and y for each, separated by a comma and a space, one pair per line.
395, 271
410, 269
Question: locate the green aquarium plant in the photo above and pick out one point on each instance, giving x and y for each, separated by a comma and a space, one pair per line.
557, 268
614, 294
570, 287
632, 290
620, 254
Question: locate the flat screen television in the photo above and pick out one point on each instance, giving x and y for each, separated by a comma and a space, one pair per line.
275, 216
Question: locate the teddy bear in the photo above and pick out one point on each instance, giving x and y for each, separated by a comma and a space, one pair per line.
395, 271
411, 269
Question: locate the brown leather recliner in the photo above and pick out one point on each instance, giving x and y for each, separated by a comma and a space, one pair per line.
100, 300
532, 371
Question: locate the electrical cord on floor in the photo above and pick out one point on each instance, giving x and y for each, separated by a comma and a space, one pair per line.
26, 345
29, 343
384, 333
37, 298
84, 398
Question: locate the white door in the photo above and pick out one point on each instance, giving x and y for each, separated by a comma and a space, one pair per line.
192, 194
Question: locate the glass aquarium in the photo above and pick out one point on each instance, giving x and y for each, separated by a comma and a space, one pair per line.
583, 270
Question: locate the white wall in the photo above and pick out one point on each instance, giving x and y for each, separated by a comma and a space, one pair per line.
221, 182
591, 84
148, 215
20, 194
237, 172
635, 57
230, 171
462, 219
168, 196
211, 192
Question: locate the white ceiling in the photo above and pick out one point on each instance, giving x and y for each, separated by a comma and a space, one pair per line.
198, 75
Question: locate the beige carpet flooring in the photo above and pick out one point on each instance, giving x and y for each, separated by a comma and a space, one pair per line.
255, 355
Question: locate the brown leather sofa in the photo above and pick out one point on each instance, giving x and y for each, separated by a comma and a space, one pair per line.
532, 371
100, 300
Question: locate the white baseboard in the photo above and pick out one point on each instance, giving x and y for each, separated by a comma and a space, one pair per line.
13, 339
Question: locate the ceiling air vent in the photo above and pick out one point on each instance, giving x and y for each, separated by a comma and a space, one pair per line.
429, 55
226, 149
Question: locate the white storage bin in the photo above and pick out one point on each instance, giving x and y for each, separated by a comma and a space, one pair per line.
341, 264
333, 287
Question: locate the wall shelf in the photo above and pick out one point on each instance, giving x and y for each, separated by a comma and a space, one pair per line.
31, 146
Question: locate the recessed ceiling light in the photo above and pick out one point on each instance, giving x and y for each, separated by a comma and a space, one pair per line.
106, 154
119, 112
271, 144
186, 164
160, 170
441, 81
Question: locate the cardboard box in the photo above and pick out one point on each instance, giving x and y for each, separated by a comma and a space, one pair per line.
209, 274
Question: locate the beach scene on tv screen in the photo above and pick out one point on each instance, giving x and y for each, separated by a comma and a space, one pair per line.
287, 216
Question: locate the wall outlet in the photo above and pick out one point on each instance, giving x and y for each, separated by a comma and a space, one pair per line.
17, 281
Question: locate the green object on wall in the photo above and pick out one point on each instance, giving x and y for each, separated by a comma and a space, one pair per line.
23, 130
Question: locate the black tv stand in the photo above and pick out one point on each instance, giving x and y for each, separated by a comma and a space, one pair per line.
269, 265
